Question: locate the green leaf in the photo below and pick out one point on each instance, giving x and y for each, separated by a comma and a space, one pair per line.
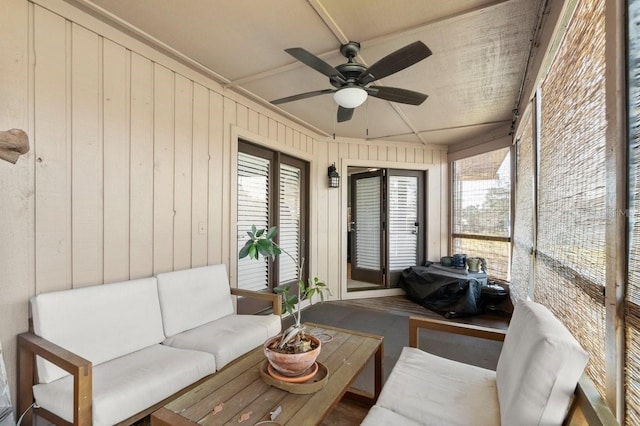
264, 248
320, 284
253, 229
310, 293
253, 252
259, 233
272, 232
244, 252
281, 290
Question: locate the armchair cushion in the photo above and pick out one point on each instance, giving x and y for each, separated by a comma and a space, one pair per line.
538, 369
430, 390
192, 297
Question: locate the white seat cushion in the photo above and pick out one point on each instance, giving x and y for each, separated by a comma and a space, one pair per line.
539, 367
431, 390
193, 297
127, 385
379, 416
229, 337
98, 323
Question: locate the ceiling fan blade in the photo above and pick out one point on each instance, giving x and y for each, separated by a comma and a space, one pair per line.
395, 94
302, 96
313, 61
344, 114
396, 61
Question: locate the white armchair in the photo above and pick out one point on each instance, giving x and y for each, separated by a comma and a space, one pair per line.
537, 381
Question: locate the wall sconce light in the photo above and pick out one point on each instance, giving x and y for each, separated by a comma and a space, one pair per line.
334, 177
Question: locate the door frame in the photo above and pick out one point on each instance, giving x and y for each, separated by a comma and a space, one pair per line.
436, 221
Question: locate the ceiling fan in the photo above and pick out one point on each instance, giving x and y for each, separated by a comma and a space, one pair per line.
351, 80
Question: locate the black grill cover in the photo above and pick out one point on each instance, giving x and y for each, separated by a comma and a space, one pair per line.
449, 296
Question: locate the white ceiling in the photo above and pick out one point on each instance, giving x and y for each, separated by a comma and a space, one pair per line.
474, 77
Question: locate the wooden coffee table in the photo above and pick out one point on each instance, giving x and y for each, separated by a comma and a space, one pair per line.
237, 394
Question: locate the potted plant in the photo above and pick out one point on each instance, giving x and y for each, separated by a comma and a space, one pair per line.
293, 352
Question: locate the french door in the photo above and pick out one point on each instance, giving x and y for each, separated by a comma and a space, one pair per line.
388, 226
272, 191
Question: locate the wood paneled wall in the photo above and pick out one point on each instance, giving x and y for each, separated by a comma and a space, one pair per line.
132, 164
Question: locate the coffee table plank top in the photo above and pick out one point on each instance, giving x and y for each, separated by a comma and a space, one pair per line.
238, 395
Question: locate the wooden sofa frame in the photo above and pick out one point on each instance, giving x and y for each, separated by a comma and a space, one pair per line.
587, 407
31, 345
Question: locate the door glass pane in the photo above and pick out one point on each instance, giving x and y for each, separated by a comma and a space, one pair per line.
403, 215
253, 209
289, 230
368, 223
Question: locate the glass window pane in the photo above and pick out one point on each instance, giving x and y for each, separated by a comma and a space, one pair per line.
289, 227
253, 209
403, 215
368, 227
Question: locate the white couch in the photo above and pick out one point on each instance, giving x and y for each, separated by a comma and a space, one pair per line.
539, 367
134, 344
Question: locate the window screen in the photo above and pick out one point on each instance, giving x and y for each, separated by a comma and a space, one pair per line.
482, 209
521, 269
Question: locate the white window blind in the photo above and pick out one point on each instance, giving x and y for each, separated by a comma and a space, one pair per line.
403, 214
368, 223
289, 227
253, 209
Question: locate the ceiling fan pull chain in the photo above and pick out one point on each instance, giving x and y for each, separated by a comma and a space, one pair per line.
367, 112
335, 120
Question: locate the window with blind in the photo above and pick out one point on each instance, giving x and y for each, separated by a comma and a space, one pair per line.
481, 209
368, 235
632, 311
403, 216
271, 192
253, 209
571, 246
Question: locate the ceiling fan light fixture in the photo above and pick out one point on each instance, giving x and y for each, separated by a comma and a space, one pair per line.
350, 97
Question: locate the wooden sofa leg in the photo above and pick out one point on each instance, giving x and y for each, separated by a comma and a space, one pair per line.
83, 397
26, 360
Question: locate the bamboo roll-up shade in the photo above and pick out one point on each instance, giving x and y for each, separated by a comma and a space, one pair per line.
523, 217
570, 264
584, 316
632, 313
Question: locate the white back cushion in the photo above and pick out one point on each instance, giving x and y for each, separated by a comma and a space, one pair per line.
193, 297
538, 369
98, 323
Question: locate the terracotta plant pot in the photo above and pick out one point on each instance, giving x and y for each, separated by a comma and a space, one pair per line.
292, 365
